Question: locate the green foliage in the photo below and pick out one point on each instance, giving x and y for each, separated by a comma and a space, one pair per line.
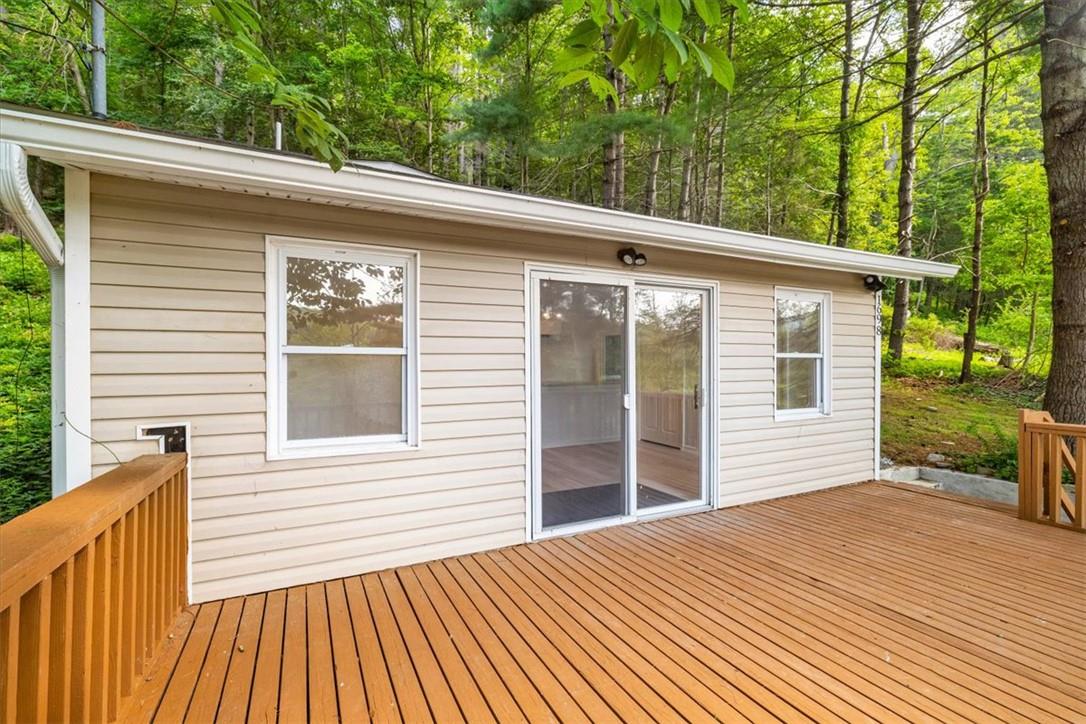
930, 364
241, 23
645, 39
24, 379
506, 93
998, 459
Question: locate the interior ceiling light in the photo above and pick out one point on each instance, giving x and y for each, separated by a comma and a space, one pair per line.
632, 257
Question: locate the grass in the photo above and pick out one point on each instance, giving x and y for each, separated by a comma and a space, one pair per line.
974, 425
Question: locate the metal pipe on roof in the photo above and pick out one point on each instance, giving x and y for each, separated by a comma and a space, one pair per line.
98, 59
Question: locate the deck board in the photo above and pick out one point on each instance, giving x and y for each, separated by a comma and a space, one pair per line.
868, 602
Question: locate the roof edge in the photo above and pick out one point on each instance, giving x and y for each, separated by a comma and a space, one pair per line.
96, 146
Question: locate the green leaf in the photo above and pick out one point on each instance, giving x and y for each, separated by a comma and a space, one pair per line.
723, 69
672, 63
709, 11
624, 41
240, 21
602, 88
671, 14
703, 58
572, 77
677, 43
572, 6
598, 10
599, 85
573, 58
646, 63
257, 75
584, 35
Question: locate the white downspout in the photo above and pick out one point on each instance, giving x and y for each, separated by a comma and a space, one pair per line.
18, 200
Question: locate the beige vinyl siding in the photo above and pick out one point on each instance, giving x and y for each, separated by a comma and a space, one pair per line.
178, 335
761, 457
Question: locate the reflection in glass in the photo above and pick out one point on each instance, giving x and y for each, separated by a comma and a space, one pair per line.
344, 395
582, 359
669, 388
798, 379
799, 325
344, 304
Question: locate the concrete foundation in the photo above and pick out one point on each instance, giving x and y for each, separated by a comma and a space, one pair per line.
974, 486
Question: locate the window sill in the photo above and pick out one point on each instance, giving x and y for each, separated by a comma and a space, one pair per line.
791, 415
339, 452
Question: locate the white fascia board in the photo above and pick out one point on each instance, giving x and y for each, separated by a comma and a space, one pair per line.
192, 162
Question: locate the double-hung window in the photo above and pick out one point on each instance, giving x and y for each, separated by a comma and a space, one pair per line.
342, 349
802, 353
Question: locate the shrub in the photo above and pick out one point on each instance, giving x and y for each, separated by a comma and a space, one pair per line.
999, 458
921, 330
24, 379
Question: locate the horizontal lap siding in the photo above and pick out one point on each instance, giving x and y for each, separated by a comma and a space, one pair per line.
763, 458
178, 335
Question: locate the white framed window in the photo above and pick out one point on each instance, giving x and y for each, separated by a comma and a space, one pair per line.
342, 337
802, 353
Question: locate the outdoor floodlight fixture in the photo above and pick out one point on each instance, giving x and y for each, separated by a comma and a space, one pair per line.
632, 257
872, 283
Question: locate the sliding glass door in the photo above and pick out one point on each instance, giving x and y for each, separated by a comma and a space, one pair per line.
582, 371
619, 416
669, 331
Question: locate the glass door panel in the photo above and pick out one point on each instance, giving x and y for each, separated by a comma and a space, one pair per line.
670, 410
582, 350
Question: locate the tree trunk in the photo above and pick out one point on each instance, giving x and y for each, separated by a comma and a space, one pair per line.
648, 205
705, 167
843, 133
77, 78
769, 191
620, 144
722, 142
218, 77
687, 178
614, 176
906, 173
981, 186
1063, 118
1031, 337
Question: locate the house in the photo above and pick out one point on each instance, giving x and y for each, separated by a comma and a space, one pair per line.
374, 368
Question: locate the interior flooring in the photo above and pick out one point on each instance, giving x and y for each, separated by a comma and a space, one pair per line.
668, 470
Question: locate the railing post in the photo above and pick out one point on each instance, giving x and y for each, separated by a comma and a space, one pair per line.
1043, 454
1080, 483
1025, 467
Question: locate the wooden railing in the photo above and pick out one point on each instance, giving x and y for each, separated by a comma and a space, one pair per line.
89, 584
1047, 467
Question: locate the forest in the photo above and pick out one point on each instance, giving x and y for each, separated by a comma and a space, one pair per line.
898, 126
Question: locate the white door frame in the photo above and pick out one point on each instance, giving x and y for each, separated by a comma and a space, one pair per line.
710, 437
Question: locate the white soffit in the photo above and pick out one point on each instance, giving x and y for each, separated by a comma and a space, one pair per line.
99, 146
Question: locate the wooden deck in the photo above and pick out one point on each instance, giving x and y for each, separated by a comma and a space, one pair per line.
870, 602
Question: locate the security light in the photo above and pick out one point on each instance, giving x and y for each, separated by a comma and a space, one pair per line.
632, 257
873, 284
